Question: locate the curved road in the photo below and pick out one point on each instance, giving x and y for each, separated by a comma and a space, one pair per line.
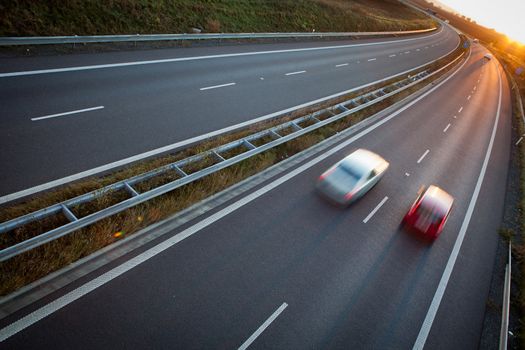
283, 269
149, 104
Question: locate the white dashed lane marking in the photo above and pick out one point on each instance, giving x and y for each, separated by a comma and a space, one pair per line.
423, 156
298, 72
216, 86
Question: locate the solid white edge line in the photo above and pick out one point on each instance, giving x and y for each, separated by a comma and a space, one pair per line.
446, 128
216, 86
298, 72
88, 287
67, 113
341, 65
423, 156
372, 59
375, 209
265, 325
440, 291
125, 161
181, 59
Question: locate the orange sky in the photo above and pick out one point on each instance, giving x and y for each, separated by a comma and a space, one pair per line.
506, 16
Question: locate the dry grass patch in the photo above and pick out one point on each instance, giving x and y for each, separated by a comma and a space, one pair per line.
28, 267
262, 140
235, 151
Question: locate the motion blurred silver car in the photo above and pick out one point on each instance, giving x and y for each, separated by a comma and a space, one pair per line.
352, 177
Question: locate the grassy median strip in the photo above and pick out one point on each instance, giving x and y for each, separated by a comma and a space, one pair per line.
27, 267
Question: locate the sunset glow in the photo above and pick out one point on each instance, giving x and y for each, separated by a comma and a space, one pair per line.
505, 16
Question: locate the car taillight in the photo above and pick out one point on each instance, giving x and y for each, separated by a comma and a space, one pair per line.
349, 195
326, 173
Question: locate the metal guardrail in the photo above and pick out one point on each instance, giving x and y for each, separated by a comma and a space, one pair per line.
41, 40
504, 332
516, 88
247, 146
520, 101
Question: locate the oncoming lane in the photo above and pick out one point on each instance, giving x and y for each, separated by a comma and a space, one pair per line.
150, 106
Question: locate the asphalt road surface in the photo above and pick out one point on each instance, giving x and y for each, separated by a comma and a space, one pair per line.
120, 111
287, 270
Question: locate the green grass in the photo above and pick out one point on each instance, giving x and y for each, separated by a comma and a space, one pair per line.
99, 17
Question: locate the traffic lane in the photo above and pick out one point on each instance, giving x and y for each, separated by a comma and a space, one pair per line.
467, 292
304, 229
141, 114
51, 90
401, 332
318, 313
401, 283
10, 64
48, 90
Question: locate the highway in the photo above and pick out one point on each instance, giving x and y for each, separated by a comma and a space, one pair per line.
281, 268
60, 123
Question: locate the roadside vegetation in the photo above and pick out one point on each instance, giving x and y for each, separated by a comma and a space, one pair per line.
516, 235
25, 268
99, 17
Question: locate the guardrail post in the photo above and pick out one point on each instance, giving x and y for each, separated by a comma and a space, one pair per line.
130, 189
179, 171
248, 145
275, 135
69, 215
504, 332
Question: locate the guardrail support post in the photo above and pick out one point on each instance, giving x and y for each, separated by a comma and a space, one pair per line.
130, 189
504, 332
248, 145
179, 171
342, 108
218, 156
69, 215
275, 135
295, 126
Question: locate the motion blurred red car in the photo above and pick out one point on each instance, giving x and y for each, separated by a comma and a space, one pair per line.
430, 212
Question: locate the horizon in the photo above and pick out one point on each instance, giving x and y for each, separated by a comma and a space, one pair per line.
488, 13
